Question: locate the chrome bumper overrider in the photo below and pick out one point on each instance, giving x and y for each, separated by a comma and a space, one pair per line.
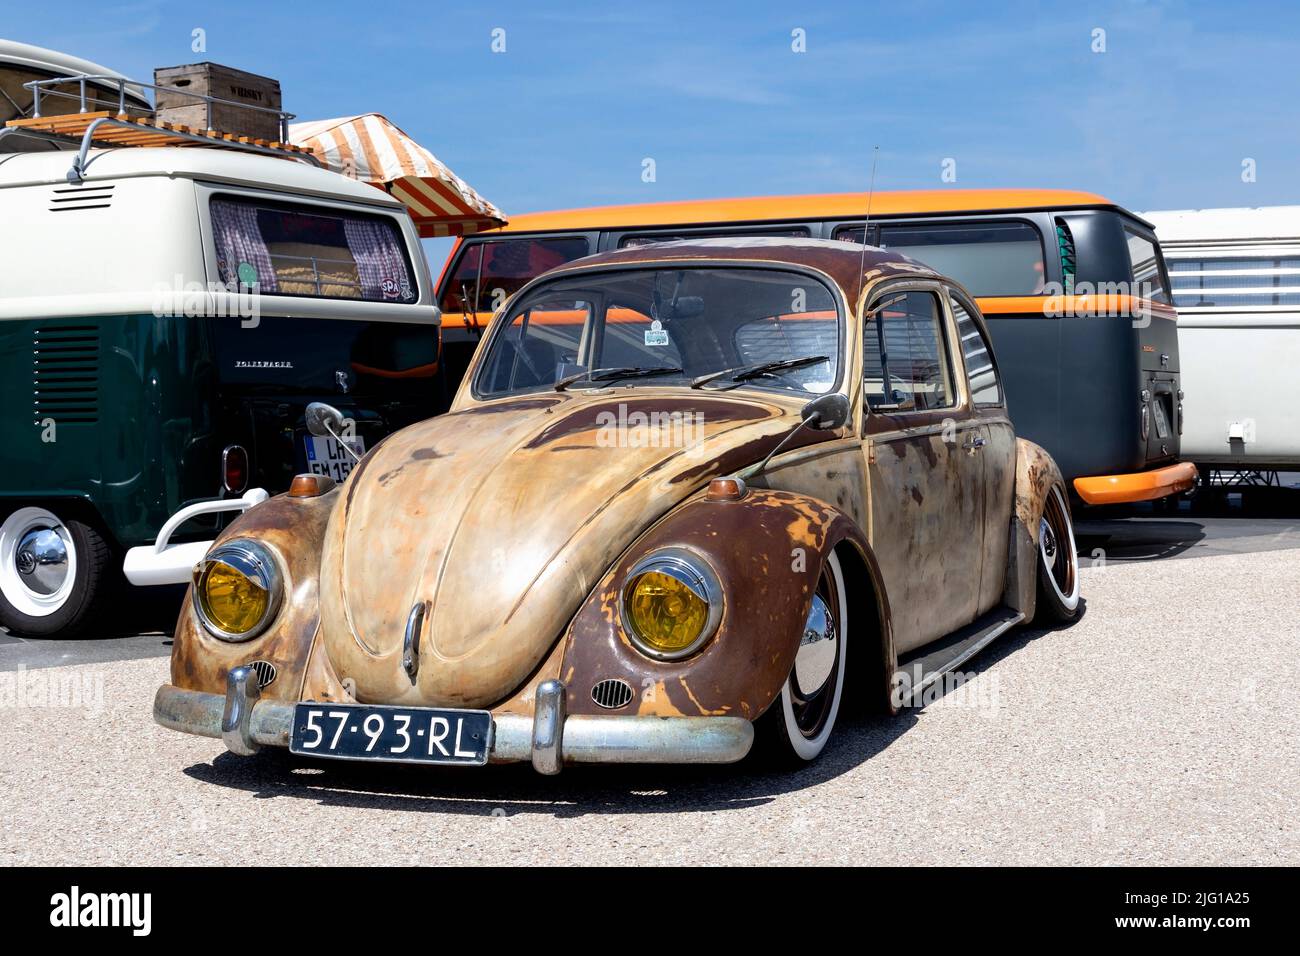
548, 739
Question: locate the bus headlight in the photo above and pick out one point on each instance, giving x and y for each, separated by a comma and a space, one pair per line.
237, 590
672, 604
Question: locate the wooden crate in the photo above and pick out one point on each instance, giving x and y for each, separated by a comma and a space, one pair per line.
225, 83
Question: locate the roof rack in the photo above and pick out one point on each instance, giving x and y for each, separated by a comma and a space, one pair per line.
125, 129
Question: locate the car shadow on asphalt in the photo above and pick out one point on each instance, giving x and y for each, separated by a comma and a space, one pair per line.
511, 790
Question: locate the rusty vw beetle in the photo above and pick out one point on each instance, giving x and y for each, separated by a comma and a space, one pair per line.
689, 495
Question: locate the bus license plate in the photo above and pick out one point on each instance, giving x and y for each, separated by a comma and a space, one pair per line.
327, 456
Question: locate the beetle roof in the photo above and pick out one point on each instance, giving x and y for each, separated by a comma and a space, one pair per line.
848, 264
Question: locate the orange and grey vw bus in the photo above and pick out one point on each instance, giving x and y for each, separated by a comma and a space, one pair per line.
1073, 287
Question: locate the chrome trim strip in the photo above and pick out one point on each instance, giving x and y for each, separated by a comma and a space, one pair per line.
411, 640
989, 637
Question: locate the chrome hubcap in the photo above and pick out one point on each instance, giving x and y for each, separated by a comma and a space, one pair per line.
815, 662
1049, 540
42, 560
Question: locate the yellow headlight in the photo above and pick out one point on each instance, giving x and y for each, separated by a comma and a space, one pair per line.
665, 612
236, 589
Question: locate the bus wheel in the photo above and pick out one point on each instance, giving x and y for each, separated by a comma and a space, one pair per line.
1058, 563
52, 573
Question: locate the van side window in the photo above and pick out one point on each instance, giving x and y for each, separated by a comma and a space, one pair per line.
988, 257
1148, 271
905, 357
650, 239
985, 388
316, 251
487, 273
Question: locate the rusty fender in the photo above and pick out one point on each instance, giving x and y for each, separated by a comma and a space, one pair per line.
767, 550
1036, 473
293, 529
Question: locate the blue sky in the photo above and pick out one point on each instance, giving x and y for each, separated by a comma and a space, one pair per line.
715, 95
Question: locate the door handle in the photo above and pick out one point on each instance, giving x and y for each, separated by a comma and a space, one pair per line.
974, 443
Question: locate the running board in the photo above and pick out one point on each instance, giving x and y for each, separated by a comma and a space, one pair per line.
922, 667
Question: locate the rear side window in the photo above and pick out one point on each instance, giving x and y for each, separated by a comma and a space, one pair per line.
489, 272
985, 388
905, 361
1148, 276
315, 251
988, 258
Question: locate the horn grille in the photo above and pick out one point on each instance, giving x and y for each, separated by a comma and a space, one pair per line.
266, 672
612, 694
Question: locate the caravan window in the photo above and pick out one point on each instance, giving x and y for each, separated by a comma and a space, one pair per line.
316, 251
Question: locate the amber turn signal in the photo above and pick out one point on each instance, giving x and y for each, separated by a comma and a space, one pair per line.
310, 486
726, 489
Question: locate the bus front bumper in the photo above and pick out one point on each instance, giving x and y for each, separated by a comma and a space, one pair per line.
1140, 486
165, 563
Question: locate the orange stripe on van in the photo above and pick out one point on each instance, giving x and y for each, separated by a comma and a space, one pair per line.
1075, 305
783, 209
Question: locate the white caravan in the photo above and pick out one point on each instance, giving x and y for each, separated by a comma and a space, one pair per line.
1236, 285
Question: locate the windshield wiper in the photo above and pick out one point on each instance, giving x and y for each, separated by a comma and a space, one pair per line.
743, 373
610, 374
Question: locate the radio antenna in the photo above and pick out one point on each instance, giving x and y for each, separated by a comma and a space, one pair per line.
871, 192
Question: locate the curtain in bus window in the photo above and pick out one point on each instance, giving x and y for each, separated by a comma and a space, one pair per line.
239, 243
381, 263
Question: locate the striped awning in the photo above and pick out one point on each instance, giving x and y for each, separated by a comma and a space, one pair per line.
373, 150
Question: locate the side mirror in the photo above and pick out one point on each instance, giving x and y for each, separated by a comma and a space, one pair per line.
324, 420
826, 412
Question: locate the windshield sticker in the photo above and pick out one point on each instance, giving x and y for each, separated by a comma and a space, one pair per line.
247, 273
656, 335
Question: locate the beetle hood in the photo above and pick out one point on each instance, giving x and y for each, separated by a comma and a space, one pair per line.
503, 516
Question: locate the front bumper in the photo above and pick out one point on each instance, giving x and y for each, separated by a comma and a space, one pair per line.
548, 739
1140, 486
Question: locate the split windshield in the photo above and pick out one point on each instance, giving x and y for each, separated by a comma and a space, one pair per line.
668, 326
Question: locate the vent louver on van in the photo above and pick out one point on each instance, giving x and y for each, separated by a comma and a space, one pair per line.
1069, 261
65, 375
69, 198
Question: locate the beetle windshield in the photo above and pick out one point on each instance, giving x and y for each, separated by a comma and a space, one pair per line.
764, 328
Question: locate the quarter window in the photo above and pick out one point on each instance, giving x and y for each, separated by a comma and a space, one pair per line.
1148, 276
985, 388
905, 362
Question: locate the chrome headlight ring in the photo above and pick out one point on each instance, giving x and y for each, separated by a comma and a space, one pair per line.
694, 572
254, 561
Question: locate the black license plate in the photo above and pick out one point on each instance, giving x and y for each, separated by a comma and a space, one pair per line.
393, 734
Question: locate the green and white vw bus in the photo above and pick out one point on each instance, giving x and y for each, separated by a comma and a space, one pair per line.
164, 322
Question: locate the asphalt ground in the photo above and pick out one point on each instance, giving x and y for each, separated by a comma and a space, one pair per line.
1161, 728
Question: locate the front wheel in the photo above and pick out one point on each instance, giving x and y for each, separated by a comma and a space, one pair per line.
1058, 563
796, 728
53, 573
